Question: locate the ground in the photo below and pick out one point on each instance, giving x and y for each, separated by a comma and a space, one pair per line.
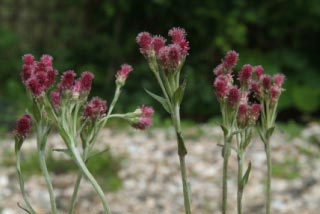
150, 175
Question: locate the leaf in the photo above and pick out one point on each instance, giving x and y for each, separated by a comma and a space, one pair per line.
269, 132
178, 94
94, 154
225, 130
247, 140
66, 151
182, 150
161, 100
246, 175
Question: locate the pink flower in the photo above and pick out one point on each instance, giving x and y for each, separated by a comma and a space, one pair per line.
46, 60
278, 79
96, 108
123, 73
258, 70
28, 59
67, 80
255, 89
55, 99
254, 113
144, 41
51, 75
35, 87
242, 115
23, 126
221, 87
146, 111
158, 42
170, 57
245, 74
275, 92
143, 123
266, 82
86, 82
177, 35
230, 60
233, 96
218, 70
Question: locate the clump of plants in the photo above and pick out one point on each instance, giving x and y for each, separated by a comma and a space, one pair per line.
243, 98
64, 105
248, 102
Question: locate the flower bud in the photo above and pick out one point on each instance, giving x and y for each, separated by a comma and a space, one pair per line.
233, 97
230, 60
23, 126
123, 73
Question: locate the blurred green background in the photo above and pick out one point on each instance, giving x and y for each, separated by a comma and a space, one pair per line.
96, 35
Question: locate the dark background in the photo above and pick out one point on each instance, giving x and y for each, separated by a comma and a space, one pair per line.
96, 35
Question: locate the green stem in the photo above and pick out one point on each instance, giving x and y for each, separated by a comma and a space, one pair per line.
226, 154
44, 169
76, 187
182, 153
240, 184
269, 171
185, 185
21, 183
77, 158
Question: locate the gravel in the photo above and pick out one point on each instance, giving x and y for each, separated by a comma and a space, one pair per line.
151, 176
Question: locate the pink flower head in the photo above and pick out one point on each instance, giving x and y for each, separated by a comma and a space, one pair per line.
266, 82
258, 70
221, 87
245, 74
143, 123
144, 41
275, 93
242, 115
86, 82
233, 97
123, 73
55, 99
177, 34
218, 70
23, 126
255, 89
158, 42
67, 80
46, 60
96, 108
28, 59
146, 111
254, 113
230, 60
35, 87
278, 79
37, 76
170, 57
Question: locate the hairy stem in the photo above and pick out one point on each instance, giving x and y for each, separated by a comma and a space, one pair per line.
21, 183
269, 171
44, 169
240, 184
77, 158
226, 154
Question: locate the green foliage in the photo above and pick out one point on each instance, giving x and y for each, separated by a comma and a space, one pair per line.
105, 167
288, 169
100, 36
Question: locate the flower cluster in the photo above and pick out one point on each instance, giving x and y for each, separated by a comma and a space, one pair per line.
38, 76
23, 126
144, 118
123, 73
235, 98
169, 56
266, 87
96, 108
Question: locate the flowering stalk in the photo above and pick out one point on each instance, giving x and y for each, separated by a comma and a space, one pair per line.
267, 90
166, 61
21, 131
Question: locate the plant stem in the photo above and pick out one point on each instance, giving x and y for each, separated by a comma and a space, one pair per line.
77, 158
75, 193
226, 154
240, 184
269, 171
185, 185
21, 183
44, 169
182, 153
